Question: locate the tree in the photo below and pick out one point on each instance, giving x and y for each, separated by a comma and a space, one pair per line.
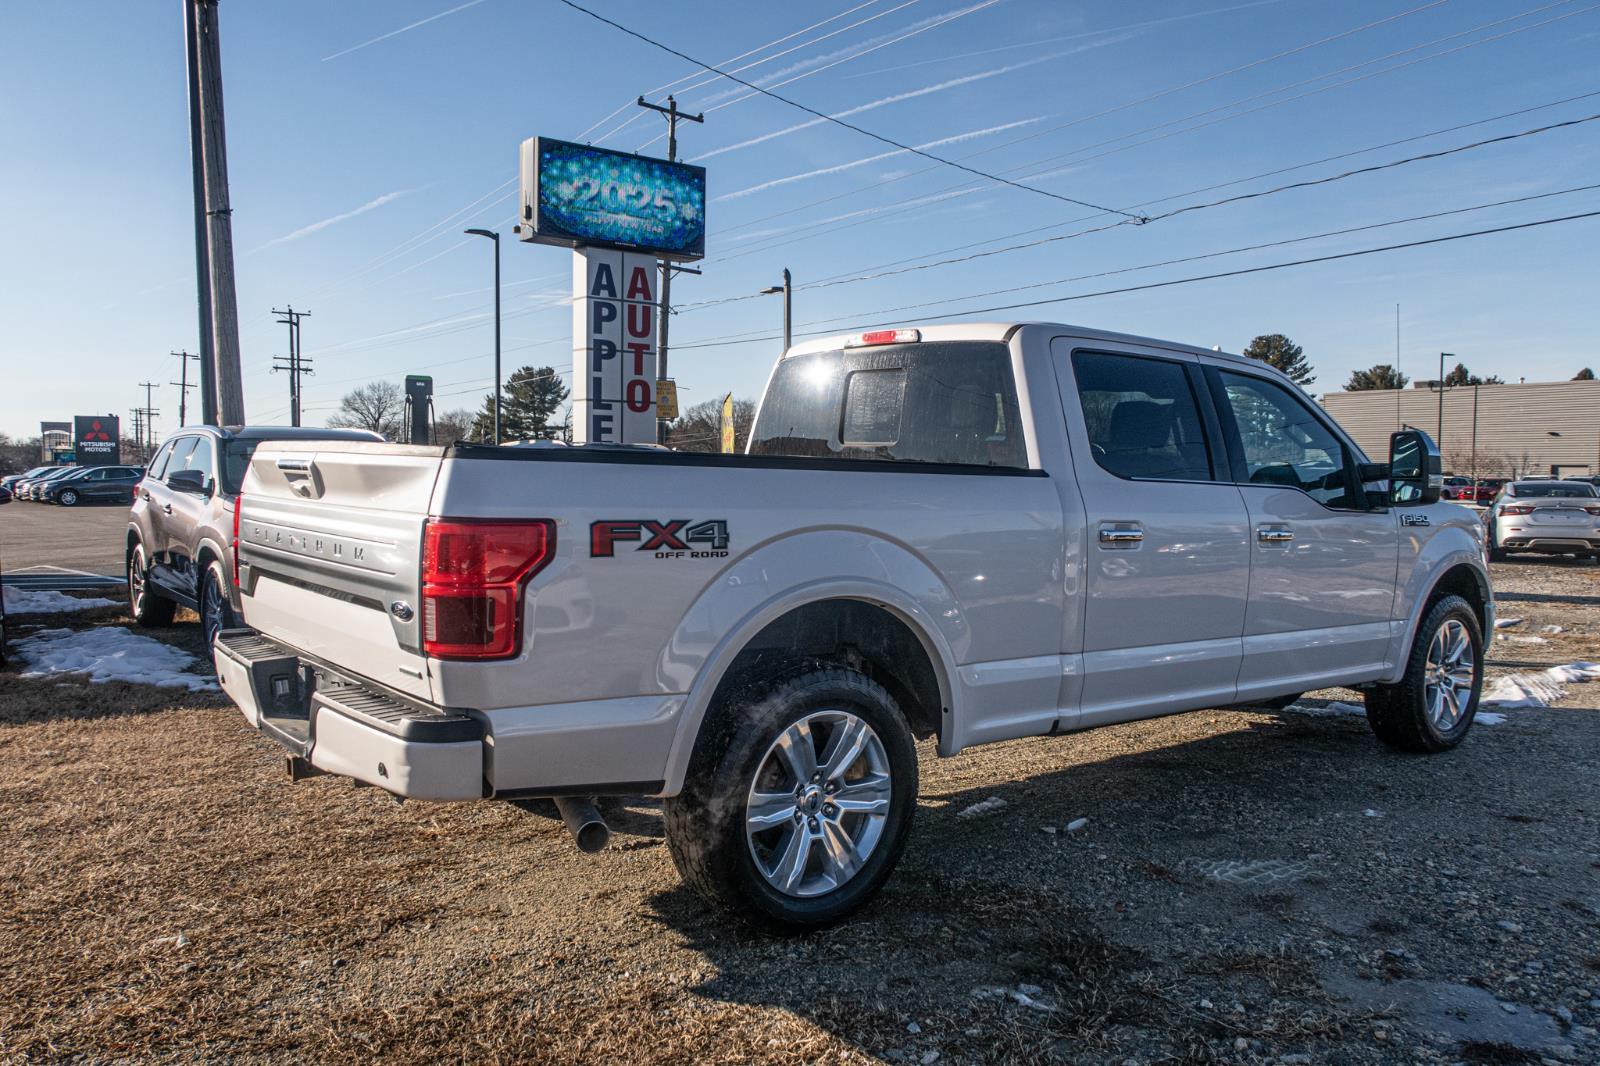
699, 428
1461, 376
378, 405
1584, 375
18, 454
1279, 351
530, 399
452, 426
1382, 376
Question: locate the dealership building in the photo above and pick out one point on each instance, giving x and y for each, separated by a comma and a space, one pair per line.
1493, 431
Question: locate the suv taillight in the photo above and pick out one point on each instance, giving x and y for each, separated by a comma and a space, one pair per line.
473, 574
238, 507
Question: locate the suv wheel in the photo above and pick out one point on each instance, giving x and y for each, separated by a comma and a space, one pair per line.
147, 607
216, 614
68, 498
798, 801
1431, 708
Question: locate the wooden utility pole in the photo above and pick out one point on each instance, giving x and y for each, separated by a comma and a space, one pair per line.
149, 413
219, 328
665, 310
297, 364
184, 385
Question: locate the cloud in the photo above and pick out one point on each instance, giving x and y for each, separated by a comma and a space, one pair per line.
305, 231
402, 29
837, 168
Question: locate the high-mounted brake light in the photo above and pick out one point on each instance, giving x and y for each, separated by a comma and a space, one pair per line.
883, 336
474, 572
238, 506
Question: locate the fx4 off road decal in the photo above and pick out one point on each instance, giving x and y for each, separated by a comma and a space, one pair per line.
676, 538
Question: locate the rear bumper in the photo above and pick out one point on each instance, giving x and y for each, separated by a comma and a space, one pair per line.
341, 726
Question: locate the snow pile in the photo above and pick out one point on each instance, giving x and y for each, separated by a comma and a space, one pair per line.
1540, 689
110, 653
983, 807
1506, 623
31, 601
1342, 710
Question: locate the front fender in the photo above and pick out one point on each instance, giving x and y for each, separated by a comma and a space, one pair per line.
790, 572
1449, 546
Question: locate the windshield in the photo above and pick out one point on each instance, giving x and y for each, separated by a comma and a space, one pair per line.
1574, 491
939, 402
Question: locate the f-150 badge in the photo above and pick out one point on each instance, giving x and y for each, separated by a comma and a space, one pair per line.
674, 538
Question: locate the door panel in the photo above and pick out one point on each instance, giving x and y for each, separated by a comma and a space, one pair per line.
1322, 574
1167, 560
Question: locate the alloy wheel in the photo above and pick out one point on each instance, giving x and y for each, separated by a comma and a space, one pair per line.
1451, 670
817, 807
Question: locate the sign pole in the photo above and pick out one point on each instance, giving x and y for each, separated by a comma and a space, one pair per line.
673, 115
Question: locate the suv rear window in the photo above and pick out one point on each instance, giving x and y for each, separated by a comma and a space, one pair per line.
940, 402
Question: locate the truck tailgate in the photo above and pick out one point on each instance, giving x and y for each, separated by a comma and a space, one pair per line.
330, 543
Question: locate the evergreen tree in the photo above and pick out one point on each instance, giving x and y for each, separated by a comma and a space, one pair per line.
1584, 375
1462, 376
531, 397
1279, 351
1382, 376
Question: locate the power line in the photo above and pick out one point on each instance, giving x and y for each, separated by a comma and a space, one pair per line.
1196, 278
839, 121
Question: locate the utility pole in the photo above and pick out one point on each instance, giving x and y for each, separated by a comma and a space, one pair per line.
298, 364
673, 115
149, 412
138, 430
221, 378
184, 385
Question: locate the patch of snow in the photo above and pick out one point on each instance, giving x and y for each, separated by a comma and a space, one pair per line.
1539, 689
1528, 640
38, 601
1506, 623
110, 653
1552, 629
1484, 717
1077, 825
983, 807
1332, 710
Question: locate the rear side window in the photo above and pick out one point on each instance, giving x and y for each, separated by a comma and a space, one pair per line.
1142, 417
941, 402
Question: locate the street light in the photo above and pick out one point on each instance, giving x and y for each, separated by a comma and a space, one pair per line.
772, 290
1442, 357
493, 236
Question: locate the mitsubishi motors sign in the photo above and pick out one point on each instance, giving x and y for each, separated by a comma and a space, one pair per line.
96, 440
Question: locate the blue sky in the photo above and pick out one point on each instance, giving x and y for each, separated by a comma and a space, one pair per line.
360, 145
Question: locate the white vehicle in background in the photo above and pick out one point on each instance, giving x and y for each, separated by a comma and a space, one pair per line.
966, 533
1546, 516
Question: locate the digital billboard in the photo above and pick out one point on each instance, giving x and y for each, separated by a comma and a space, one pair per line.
95, 440
577, 196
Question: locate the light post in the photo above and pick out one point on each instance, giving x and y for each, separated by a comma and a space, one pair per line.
788, 303
1442, 357
493, 236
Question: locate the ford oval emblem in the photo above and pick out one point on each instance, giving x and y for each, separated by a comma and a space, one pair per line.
401, 610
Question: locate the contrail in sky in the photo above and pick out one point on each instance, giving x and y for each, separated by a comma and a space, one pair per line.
957, 139
304, 231
403, 29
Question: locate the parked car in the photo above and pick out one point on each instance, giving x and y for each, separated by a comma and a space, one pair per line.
1547, 516
29, 488
181, 526
1589, 479
1455, 488
10, 480
1483, 491
5, 494
965, 532
93, 484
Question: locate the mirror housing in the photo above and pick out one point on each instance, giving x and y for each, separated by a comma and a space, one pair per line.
1416, 473
192, 481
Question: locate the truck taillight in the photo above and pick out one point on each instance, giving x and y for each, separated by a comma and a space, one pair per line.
473, 575
238, 507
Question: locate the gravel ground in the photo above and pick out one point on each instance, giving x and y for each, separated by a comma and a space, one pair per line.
1248, 887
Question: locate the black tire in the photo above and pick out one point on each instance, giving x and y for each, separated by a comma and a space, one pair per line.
68, 498
737, 749
216, 613
1399, 713
148, 608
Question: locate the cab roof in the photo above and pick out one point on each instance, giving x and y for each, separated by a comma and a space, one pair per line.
1002, 331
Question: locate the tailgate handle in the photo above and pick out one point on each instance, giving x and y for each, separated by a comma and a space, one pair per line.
301, 474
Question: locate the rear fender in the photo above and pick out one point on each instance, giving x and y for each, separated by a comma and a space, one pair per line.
791, 572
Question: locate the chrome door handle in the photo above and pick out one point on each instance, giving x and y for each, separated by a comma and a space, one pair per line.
1117, 537
167, 507
1274, 535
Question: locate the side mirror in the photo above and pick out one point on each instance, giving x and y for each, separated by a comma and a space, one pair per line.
1416, 473
189, 481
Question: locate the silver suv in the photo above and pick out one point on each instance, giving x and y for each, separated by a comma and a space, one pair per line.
181, 530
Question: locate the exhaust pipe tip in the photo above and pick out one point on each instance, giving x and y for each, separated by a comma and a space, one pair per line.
589, 830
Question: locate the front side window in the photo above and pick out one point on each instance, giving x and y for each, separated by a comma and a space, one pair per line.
158, 462
200, 459
1142, 417
948, 402
182, 448
1285, 444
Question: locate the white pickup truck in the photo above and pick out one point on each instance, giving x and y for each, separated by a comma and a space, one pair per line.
968, 533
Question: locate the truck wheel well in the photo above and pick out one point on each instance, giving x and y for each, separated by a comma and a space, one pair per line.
853, 633
1463, 581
